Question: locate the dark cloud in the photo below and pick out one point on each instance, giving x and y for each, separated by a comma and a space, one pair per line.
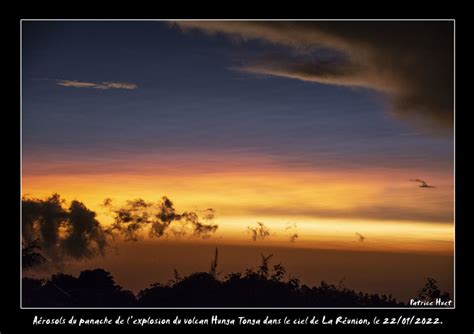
159, 219
293, 237
360, 236
107, 202
412, 63
292, 229
62, 232
259, 231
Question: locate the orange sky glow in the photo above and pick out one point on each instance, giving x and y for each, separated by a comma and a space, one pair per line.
326, 208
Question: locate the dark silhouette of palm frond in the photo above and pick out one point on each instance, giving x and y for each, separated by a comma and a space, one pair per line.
213, 269
30, 254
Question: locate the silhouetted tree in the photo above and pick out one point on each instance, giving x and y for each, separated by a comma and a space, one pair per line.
213, 269
91, 289
264, 287
30, 254
278, 272
431, 292
263, 269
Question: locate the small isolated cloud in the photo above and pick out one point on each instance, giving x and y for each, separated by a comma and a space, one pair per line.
260, 231
361, 237
292, 229
102, 85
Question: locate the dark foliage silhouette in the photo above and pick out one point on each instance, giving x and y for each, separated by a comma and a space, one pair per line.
213, 270
431, 292
263, 287
31, 255
93, 288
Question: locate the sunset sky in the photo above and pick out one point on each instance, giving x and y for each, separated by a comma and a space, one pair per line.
314, 129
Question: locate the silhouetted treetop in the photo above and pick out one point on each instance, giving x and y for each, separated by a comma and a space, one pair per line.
92, 288
31, 255
264, 287
431, 292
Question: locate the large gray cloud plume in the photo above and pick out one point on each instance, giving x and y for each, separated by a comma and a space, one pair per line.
62, 232
411, 62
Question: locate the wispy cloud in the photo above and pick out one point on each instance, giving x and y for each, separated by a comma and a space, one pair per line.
102, 85
374, 212
410, 62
